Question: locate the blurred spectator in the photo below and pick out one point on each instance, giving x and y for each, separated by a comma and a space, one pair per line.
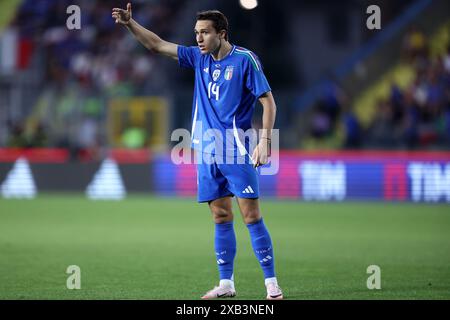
447, 60
396, 99
332, 100
352, 129
410, 122
381, 132
446, 138
38, 138
87, 135
17, 136
321, 124
414, 44
327, 111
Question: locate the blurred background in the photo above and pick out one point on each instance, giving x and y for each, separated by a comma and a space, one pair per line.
363, 173
343, 91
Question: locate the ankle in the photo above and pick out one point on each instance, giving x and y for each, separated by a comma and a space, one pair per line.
226, 283
271, 280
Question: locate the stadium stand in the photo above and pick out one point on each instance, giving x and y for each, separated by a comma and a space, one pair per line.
67, 80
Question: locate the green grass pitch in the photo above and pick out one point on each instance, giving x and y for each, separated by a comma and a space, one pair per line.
162, 248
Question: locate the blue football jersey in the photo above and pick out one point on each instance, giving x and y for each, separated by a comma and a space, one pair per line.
225, 94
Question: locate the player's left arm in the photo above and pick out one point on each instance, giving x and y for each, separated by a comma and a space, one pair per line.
262, 151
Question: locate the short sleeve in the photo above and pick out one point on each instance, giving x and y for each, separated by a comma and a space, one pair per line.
256, 81
188, 57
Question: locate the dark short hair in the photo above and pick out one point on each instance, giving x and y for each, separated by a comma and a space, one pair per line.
220, 22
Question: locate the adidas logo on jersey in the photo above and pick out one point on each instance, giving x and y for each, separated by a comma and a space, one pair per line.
248, 190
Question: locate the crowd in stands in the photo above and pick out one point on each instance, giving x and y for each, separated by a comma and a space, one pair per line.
101, 54
83, 68
417, 117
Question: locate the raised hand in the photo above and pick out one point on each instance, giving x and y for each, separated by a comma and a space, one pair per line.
122, 16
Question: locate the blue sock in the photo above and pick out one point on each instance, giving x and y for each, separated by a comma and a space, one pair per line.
262, 246
225, 245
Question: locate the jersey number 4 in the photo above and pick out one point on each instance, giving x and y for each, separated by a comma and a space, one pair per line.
213, 89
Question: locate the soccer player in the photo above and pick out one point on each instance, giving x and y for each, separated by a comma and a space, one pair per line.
228, 81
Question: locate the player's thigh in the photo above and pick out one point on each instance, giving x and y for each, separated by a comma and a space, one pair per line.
242, 180
211, 183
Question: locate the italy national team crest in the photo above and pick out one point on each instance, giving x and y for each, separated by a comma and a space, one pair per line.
216, 74
228, 73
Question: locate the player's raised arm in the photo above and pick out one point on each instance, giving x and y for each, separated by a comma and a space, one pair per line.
149, 39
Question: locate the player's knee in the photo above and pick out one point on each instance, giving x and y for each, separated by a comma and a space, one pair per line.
221, 215
251, 216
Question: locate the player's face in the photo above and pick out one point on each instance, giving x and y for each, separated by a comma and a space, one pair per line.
208, 40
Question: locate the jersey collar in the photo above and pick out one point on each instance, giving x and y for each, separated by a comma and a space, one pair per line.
229, 54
